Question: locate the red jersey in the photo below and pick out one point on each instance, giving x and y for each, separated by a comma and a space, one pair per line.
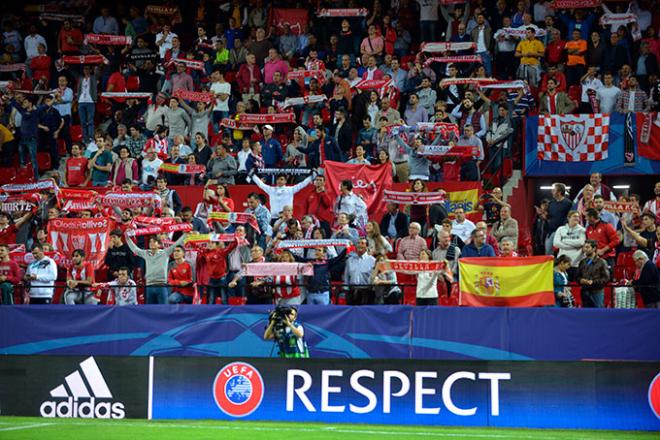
81, 273
181, 273
605, 235
8, 234
76, 171
216, 260
319, 205
10, 270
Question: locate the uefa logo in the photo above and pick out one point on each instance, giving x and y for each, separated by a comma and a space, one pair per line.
238, 389
654, 396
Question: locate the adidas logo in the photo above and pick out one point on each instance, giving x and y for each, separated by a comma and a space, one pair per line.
86, 395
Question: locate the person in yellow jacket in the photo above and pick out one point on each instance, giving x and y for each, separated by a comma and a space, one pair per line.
6, 145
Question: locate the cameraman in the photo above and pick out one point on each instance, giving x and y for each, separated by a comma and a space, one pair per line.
287, 332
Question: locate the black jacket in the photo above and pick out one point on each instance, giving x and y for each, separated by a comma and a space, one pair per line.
120, 257
648, 283
400, 223
344, 136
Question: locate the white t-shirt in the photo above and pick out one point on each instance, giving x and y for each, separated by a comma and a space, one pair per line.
85, 95
463, 230
220, 105
167, 44
428, 10
607, 97
150, 168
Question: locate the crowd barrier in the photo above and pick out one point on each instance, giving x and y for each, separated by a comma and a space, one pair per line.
366, 332
584, 395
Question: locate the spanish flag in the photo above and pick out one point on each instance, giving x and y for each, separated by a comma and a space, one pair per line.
509, 282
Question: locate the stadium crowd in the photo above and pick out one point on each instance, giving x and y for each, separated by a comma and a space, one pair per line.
138, 100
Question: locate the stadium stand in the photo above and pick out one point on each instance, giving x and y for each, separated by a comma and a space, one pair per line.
250, 152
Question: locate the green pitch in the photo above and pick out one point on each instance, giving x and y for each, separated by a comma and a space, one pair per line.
15, 428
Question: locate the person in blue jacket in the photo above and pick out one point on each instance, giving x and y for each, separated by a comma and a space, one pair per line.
477, 246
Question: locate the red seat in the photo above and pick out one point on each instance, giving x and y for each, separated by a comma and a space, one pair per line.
237, 300
575, 93
76, 133
61, 147
451, 171
7, 175
43, 161
625, 259
24, 174
133, 83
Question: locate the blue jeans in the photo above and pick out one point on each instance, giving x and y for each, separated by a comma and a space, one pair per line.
217, 118
86, 113
593, 299
29, 144
215, 290
177, 298
487, 61
157, 294
7, 290
239, 290
321, 298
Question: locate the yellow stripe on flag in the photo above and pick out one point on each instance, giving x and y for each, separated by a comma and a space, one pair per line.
524, 281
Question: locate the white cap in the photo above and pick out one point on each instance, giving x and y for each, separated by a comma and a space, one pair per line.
268, 127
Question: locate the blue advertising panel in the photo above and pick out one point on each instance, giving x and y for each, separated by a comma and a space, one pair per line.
378, 332
584, 395
614, 164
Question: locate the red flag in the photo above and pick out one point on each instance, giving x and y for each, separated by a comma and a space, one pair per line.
90, 234
295, 18
648, 135
369, 181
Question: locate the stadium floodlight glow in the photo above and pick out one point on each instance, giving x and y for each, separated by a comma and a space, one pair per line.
549, 187
621, 187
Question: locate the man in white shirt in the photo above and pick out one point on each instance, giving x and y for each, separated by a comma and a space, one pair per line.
150, 166
221, 89
41, 274
123, 288
281, 195
347, 201
32, 42
589, 81
461, 226
164, 40
653, 205
608, 94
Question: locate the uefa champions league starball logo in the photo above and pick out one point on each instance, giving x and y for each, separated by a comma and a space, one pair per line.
238, 389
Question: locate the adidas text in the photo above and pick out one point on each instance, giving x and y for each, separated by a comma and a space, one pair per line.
86, 408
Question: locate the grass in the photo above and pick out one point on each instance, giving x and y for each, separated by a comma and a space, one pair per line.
19, 428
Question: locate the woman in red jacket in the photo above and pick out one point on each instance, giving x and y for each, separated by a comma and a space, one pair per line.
215, 258
180, 277
40, 65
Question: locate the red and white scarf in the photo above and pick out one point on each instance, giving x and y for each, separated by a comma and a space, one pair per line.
235, 125
617, 19
194, 96
29, 187
159, 145
448, 150
108, 40
182, 168
269, 118
455, 59
412, 266
128, 95
12, 67
50, 16
161, 10
302, 100
143, 220
300, 75
466, 81
234, 217
306, 244
130, 200
507, 85
190, 64
84, 59
414, 198
274, 269
343, 12
447, 46
18, 202
162, 229
575, 4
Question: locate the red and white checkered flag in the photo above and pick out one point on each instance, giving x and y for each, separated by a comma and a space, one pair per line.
573, 138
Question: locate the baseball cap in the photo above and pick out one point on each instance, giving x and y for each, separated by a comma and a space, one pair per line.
268, 127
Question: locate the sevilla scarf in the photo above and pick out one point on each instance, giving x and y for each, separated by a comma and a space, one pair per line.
108, 40
618, 19
444, 128
343, 12
161, 10
29, 187
90, 234
234, 217
575, 4
519, 32
448, 150
130, 200
47, 16
276, 171
84, 59
517, 84
456, 59
447, 46
369, 84
414, 198
190, 64
235, 125
194, 96
278, 269
12, 67
143, 220
302, 100
76, 200
23, 258
128, 95
619, 207
307, 244
412, 266
198, 239
182, 168
34, 92
463, 81
300, 75
162, 229
18, 203
270, 118
159, 145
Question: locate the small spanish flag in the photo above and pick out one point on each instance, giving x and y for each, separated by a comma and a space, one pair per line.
507, 282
